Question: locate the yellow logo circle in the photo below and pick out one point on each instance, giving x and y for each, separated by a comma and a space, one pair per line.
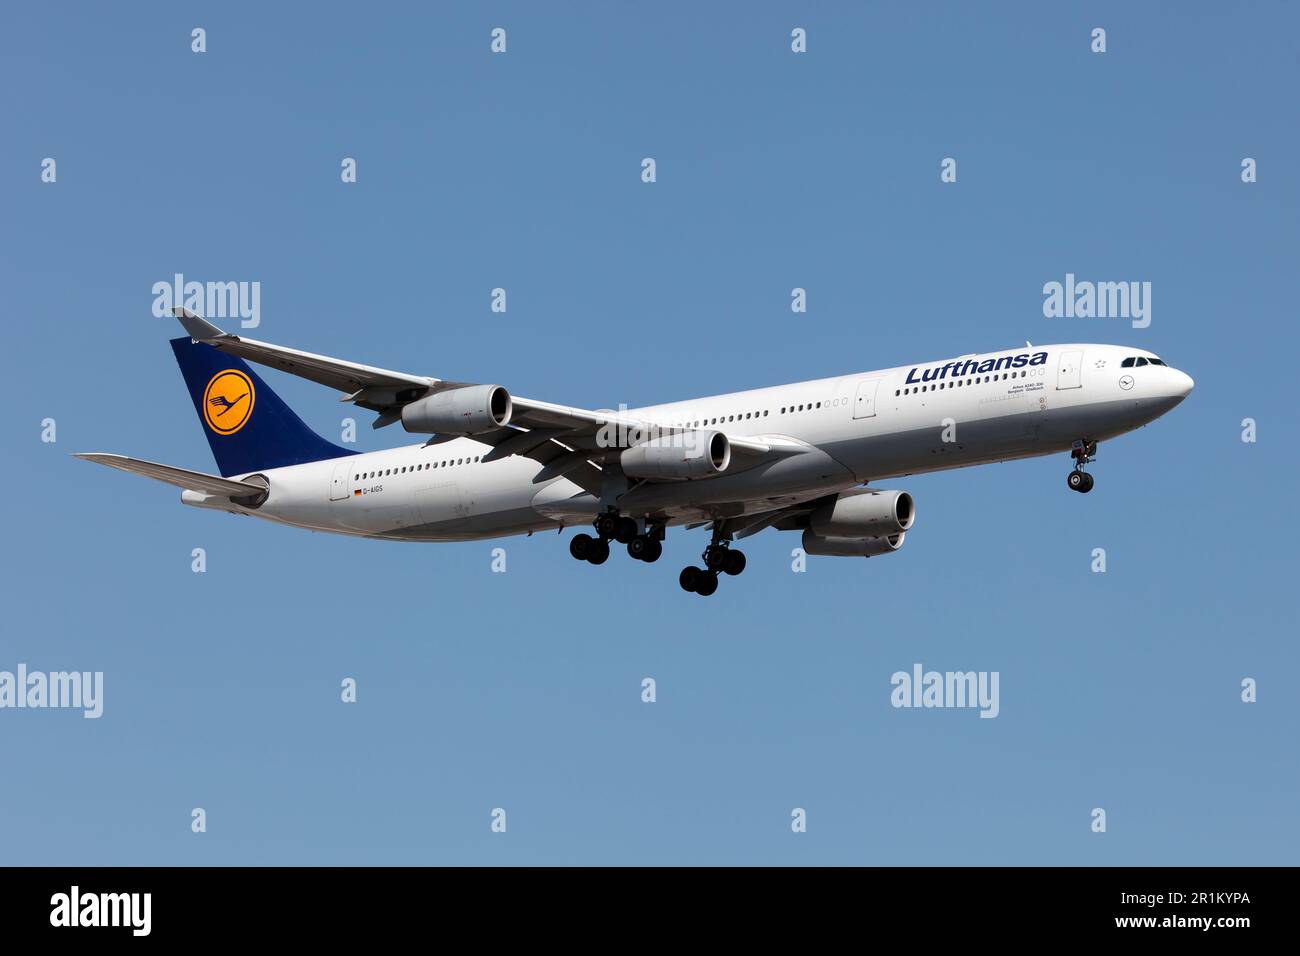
228, 401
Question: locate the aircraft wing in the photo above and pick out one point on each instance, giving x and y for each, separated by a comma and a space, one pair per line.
180, 477
540, 430
369, 387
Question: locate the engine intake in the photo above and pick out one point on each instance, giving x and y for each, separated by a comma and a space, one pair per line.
864, 513
685, 455
470, 410
851, 547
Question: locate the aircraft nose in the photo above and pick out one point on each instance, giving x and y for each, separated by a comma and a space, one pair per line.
1180, 383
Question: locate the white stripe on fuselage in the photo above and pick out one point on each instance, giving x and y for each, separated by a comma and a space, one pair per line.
440, 491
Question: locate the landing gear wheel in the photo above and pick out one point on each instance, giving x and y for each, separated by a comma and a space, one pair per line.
1080, 481
690, 578
707, 583
715, 558
1083, 452
643, 548
598, 551
735, 562
625, 530
606, 525
580, 546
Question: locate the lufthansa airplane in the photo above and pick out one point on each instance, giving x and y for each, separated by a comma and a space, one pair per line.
806, 457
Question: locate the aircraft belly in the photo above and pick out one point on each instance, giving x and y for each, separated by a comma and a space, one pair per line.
807, 474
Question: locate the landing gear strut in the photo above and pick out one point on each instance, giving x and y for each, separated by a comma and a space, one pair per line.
1083, 453
719, 558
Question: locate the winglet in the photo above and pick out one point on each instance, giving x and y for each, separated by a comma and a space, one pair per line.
199, 329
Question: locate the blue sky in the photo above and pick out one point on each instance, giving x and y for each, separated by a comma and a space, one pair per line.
522, 690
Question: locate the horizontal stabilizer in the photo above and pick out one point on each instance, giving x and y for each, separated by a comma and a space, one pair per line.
180, 477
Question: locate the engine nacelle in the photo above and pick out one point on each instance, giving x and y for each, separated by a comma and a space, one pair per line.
864, 514
470, 410
685, 455
851, 547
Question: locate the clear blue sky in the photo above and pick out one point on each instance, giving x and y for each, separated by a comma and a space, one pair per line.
522, 690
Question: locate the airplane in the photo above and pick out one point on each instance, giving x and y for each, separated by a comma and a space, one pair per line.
808, 457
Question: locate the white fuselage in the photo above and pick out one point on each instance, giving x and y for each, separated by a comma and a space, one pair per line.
848, 430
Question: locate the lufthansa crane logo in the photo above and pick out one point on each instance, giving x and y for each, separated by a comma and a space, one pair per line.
228, 401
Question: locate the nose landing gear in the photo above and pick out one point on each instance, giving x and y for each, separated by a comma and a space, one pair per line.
1083, 453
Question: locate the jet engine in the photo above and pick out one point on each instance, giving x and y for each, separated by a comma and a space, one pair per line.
685, 455
864, 513
469, 410
851, 547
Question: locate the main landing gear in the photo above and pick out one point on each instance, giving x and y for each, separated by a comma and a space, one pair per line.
1083, 453
609, 526
719, 558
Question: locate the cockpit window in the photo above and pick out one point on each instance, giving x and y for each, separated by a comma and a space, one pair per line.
1128, 362
1156, 361
1141, 361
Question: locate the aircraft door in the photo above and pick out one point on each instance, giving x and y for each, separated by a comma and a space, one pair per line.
1069, 370
340, 482
864, 404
